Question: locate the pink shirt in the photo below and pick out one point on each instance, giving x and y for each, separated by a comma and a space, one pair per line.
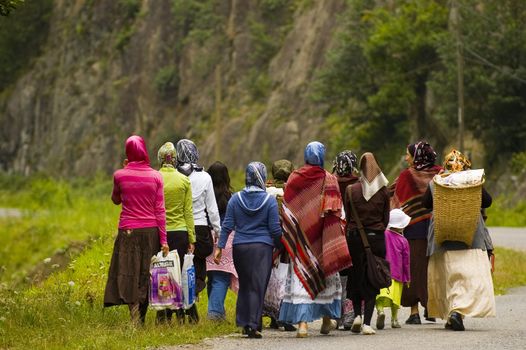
140, 190
397, 253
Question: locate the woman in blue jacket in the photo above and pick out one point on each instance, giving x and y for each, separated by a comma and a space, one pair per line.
253, 215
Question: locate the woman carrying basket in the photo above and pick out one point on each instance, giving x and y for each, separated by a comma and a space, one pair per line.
459, 273
409, 187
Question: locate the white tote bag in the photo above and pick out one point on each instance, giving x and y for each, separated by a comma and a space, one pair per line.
165, 281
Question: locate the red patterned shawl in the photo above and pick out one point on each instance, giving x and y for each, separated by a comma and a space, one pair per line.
313, 234
409, 188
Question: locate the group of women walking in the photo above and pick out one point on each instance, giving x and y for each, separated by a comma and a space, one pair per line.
319, 227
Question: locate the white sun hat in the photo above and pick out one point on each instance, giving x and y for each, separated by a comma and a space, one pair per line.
398, 219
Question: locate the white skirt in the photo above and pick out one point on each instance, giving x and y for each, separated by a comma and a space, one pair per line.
460, 281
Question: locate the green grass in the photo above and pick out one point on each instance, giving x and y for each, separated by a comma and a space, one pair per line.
56, 217
501, 214
57, 314
65, 310
510, 269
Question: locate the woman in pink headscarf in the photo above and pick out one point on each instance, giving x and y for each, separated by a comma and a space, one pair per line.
142, 230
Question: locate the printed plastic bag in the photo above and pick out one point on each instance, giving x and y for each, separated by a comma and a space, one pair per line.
188, 281
275, 290
166, 290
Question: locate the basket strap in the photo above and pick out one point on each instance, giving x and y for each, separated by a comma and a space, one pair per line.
357, 219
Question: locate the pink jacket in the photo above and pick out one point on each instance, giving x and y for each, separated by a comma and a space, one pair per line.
397, 253
139, 189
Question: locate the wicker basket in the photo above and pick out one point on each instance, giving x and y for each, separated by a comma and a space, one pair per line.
456, 212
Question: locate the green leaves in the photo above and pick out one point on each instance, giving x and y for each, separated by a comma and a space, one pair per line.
398, 61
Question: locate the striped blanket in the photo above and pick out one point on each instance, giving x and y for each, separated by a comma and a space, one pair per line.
408, 190
313, 234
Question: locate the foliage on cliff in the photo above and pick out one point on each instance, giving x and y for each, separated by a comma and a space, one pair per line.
257, 79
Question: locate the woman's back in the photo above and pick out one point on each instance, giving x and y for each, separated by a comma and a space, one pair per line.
374, 213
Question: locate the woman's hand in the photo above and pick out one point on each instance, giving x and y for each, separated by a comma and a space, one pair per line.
217, 255
124, 163
215, 236
165, 249
191, 248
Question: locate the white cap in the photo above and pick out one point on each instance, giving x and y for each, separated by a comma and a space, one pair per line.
398, 219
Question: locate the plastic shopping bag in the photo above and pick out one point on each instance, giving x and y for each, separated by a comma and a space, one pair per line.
166, 290
275, 289
188, 281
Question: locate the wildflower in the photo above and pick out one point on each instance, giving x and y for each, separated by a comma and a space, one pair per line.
47, 260
77, 303
55, 266
71, 283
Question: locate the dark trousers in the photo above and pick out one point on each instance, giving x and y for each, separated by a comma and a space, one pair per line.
204, 246
253, 263
358, 287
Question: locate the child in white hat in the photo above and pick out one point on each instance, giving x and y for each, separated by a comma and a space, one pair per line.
397, 253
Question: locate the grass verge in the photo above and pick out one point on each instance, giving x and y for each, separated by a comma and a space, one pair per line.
500, 214
510, 269
65, 310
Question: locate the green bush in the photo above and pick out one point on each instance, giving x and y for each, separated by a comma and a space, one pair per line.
167, 80
22, 35
131, 8
123, 37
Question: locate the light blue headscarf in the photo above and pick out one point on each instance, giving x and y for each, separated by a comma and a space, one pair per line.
314, 153
256, 175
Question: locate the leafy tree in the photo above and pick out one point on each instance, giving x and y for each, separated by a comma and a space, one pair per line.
379, 72
6, 6
494, 45
21, 37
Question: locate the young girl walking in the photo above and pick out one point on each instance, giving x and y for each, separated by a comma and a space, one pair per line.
397, 253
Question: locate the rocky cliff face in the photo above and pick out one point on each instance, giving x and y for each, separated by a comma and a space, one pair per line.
234, 75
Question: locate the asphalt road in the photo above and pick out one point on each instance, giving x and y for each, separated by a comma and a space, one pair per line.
10, 212
509, 237
506, 331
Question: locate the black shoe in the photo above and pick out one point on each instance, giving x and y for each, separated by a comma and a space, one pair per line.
180, 316
273, 323
288, 327
193, 317
455, 320
252, 333
413, 319
430, 319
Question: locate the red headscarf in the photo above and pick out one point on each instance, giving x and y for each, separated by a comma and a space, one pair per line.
136, 150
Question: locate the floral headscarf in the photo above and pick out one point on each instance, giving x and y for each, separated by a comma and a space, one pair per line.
345, 163
256, 175
281, 170
167, 154
187, 157
424, 156
314, 153
136, 150
456, 161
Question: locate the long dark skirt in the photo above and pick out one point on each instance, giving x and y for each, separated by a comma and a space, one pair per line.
253, 263
417, 292
129, 274
204, 246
